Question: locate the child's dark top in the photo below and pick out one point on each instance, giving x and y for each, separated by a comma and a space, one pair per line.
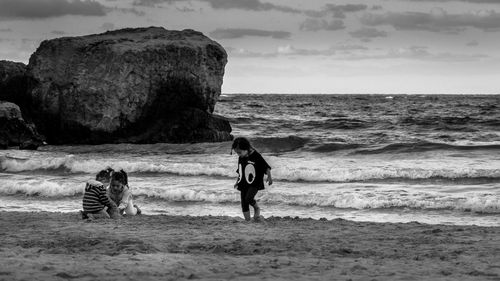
95, 197
251, 171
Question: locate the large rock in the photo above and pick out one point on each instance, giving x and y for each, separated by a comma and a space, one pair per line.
9, 69
14, 83
139, 85
14, 131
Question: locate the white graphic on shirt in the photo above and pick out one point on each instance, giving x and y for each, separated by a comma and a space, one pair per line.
240, 171
249, 173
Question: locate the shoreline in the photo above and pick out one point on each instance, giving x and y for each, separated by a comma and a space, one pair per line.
61, 246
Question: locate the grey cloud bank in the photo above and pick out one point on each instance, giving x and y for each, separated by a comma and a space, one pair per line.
469, 1
370, 36
436, 22
252, 5
49, 8
339, 11
233, 33
249, 5
368, 32
317, 24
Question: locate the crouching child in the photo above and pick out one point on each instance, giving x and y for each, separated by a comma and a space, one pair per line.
96, 203
120, 194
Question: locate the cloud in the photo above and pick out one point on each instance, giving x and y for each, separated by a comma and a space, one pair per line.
5, 30
437, 20
233, 33
127, 11
108, 26
49, 8
368, 33
359, 53
316, 24
250, 5
420, 53
58, 32
472, 43
151, 3
470, 1
185, 9
339, 11
291, 51
244, 53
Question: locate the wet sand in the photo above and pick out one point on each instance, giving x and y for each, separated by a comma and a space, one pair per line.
61, 246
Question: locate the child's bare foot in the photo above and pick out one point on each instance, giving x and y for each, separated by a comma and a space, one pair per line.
256, 215
84, 215
138, 210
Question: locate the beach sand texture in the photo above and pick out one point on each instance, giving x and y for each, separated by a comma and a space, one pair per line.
61, 246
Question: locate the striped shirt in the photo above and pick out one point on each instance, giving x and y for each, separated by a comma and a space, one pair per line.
95, 197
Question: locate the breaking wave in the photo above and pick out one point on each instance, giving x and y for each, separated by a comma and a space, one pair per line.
285, 171
478, 202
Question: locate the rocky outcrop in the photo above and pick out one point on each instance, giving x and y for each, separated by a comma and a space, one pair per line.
10, 69
14, 83
139, 85
14, 131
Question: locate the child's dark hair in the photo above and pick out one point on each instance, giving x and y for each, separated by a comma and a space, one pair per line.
120, 176
106, 174
241, 143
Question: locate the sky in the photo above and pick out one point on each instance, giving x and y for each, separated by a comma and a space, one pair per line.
298, 46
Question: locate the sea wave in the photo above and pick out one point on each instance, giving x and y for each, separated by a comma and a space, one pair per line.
487, 203
424, 146
336, 146
337, 123
279, 144
285, 170
479, 203
41, 187
71, 164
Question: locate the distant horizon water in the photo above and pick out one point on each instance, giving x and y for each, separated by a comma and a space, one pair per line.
388, 94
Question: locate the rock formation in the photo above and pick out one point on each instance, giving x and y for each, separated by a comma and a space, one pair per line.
14, 131
9, 69
13, 82
141, 85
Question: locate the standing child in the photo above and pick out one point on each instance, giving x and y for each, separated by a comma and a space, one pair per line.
251, 170
96, 203
120, 194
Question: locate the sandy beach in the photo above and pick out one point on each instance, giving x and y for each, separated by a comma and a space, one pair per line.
61, 246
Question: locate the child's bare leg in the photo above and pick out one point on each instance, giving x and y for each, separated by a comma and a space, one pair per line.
131, 209
256, 209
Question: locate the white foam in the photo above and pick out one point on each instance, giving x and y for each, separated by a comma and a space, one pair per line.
343, 196
49, 163
43, 187
310, 170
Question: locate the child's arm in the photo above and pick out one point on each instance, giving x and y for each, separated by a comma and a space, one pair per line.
238, 178
125, 199
269, 176
106, 201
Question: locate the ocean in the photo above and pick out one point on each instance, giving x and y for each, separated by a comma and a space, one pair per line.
383, 158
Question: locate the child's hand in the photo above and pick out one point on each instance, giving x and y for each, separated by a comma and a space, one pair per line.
269, 180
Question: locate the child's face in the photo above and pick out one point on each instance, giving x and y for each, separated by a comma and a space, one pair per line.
241, 153
116, 186
105, 181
